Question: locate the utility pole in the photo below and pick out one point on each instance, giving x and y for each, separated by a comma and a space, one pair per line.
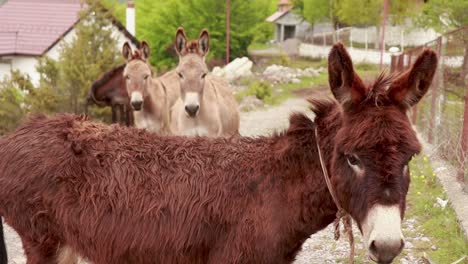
228, 29
382, 40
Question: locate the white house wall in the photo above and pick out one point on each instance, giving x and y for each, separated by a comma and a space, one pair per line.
4, 70
26, 64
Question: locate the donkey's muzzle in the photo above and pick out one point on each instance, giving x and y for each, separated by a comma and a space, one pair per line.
136, 105
383, 252
192, 110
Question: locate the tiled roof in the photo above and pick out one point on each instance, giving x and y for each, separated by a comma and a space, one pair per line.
32, 27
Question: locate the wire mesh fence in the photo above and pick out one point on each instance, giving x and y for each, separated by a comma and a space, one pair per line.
442, 116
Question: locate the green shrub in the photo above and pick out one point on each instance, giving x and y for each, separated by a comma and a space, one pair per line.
261, 90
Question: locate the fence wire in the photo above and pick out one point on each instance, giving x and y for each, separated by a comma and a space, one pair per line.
442, 115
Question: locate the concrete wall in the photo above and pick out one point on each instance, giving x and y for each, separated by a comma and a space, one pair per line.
357, 55
395, 35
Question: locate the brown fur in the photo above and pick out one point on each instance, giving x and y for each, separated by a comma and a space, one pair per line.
122, 195
110, 90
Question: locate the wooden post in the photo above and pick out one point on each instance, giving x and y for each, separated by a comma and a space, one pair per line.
366, 38
382, 40
228, 30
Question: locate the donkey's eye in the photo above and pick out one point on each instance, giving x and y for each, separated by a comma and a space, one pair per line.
146, 77
353, 160
203, 76
127, 77
180, 75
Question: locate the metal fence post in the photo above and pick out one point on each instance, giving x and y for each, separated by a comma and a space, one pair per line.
435, 86
464, 141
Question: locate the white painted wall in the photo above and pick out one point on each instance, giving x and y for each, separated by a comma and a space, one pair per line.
357, 55
26, 64
4, 68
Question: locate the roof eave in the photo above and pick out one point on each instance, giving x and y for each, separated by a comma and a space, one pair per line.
115, 22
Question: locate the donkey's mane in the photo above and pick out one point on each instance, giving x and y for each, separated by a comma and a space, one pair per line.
377, 92
192, 46
105, 77
137, 55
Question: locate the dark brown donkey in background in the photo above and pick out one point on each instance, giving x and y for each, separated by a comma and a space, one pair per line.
110, 90
121, 195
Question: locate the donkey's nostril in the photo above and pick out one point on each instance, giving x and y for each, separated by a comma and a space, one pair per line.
373, 248
385, 251
136, 105
192, 109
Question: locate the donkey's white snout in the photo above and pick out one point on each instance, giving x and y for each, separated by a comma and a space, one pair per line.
382, 233
136, 100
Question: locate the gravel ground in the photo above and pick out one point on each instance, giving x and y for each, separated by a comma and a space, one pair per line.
321, 247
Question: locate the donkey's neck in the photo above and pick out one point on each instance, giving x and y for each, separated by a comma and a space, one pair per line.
315, 207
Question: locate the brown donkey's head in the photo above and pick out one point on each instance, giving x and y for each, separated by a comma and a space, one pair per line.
137, 73
192, 69
369, 166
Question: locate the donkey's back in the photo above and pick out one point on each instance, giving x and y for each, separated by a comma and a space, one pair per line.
70, 183
227, 105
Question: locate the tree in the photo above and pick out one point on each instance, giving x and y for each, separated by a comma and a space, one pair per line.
13, 90
93, 51
159, 24
443, 15
314, 10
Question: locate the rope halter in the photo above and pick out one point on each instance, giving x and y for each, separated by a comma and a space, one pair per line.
341, 214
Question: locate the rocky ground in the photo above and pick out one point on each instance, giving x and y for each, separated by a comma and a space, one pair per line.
321, 247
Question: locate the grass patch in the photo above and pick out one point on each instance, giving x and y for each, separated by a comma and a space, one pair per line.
282, 92
299, 62
439, 225
260, 46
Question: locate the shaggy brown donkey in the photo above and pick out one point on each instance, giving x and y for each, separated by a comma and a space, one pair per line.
121, 195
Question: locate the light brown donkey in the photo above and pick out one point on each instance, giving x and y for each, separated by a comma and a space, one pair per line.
148, 95
206, 106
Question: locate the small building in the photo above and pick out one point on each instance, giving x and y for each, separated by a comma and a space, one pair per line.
30, 29
288, 24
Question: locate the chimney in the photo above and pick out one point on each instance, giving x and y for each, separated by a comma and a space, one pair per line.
284, 5
130, 17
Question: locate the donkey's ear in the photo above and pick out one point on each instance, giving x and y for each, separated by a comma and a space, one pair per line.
204, 42
180, 41
145, 50
344, 83
412, 85
127, 51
